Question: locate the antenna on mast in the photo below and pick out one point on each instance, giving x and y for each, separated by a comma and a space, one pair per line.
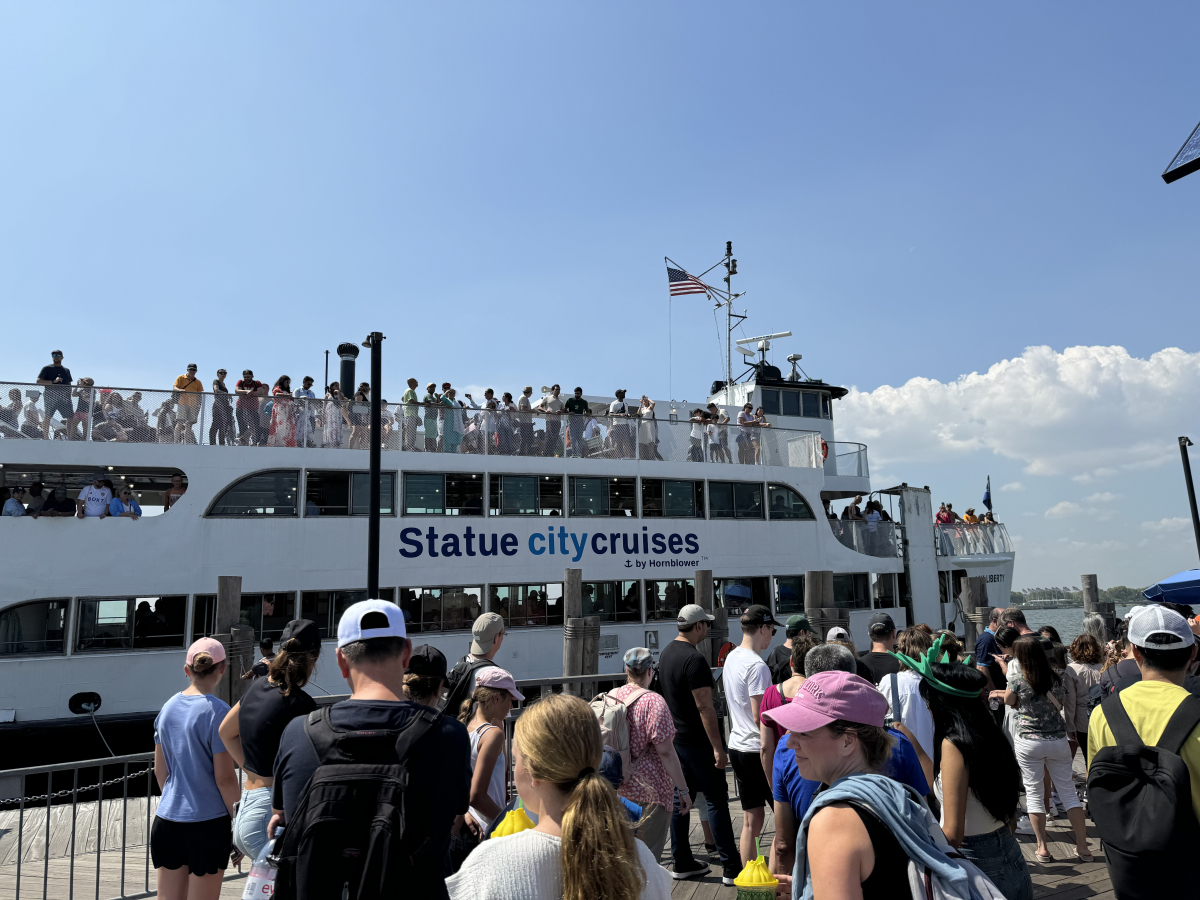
730, 270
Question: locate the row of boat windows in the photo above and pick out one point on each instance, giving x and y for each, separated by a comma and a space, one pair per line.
340, 493
808, 404
132, 623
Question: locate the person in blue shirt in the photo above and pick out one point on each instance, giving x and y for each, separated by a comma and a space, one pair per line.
124, 506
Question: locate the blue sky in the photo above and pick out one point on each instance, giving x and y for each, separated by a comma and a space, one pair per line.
915, 190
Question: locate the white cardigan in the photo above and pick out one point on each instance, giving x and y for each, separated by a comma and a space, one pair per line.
528, 866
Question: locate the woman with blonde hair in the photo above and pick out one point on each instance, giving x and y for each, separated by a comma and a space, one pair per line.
484, 714
192, 830
583, 846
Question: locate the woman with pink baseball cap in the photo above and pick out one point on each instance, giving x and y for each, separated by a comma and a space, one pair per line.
193, 831
861, 830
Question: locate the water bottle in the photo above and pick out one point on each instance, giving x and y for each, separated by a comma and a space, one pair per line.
260, 884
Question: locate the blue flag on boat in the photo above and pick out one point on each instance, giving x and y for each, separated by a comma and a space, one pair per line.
987, 494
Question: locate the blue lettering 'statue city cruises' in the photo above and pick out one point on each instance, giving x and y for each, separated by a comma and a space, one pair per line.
480, 512
568, 544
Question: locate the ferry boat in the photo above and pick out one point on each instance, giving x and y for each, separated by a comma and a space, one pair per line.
480, 511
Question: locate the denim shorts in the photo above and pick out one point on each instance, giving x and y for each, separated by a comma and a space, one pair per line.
250, 826
998, 856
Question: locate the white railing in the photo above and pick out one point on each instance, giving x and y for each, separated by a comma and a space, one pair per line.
961, 539
847, 458
879, 539
124, 415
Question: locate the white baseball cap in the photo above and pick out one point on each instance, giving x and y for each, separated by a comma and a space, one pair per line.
371, 619
837, 633
1168, 629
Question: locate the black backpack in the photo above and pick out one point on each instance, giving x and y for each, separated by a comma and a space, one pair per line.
346, 840
1141, 801
458, 683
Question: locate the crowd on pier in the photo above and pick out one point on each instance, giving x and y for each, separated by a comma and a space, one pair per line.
899, 766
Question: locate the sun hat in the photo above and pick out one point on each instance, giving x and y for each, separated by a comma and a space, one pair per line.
305, 631
693, 613
484, 631
797, 624
368, 619
427, 660
828, 697
211, 646
1158, 628
498, 679
638, 658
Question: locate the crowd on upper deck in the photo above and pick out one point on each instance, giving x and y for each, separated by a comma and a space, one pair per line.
947, 516
439, 420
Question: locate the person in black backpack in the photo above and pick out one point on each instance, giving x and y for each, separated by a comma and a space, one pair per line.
369, 788
487, 634
1144, 765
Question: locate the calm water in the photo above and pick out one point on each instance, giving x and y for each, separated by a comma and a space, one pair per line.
1067, 621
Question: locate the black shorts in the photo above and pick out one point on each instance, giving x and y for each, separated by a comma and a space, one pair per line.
201, 846
752, 782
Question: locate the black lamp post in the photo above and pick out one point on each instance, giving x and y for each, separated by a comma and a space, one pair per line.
1184, 443
374, 342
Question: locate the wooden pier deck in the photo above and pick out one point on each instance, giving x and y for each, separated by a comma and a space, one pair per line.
1063, 879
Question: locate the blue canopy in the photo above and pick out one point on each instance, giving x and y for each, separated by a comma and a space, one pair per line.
737, 590
1183, 587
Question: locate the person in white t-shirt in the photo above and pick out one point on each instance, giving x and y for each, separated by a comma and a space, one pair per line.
552, 405
746, 679
620, 427
902, 690
94, 499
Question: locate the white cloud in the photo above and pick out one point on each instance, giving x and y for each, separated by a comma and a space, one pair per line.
1012, 486
1064, 509
1162, 525
1103, 497
1087, 412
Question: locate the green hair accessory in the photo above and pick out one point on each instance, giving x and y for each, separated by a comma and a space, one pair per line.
924, 668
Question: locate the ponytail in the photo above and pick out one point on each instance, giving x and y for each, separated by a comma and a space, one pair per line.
292, 666
481, 697
559, 739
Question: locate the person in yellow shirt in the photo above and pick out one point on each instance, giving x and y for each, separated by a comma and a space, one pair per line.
188, 410
970, 518
1164, 648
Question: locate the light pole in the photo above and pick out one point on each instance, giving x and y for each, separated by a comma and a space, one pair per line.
1184, 443
374, 342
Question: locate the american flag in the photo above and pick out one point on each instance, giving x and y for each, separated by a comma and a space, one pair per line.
681, 282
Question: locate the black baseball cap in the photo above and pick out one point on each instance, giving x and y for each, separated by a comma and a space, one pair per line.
881, 623
757, 615
427, 660
303, 630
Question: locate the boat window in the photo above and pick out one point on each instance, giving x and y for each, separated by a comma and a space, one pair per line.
603, 496
326, 607
789, 595
33, 627
672, 499
664, 599
261, 494
735, 594
125, 623
826, 408
786, 503
441, 608
812, 405
791, 403
770, 402
527, 605
735, 500
333, 493
852, 591
526, 495
429, 494
613, 601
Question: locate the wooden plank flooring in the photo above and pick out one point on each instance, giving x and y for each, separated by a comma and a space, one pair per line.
1062, 879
